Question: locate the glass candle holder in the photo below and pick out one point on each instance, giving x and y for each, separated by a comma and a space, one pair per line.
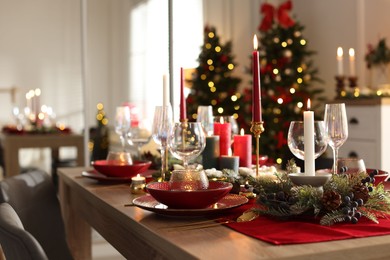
138, 184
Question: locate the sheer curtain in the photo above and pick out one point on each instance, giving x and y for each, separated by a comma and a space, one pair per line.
149, 49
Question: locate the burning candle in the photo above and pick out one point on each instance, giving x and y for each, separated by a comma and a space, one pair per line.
352, 62
138, 184
256, 92
340, 61
308, 130
223, 130
242, 147
183, 110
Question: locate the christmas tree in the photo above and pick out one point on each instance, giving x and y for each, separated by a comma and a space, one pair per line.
213, 83
99, 139
287, 76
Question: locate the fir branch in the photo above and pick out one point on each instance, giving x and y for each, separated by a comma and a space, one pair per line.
332, 218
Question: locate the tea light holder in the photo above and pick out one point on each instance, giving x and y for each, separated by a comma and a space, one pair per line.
138, 184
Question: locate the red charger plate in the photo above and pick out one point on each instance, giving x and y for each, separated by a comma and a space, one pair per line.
114, 170
188, 199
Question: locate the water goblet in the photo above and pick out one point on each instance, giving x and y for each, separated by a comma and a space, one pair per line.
295, 139
336, 127
205, 116
122, 123
162, 123
186, 141
188, 179
139, 135
119, 158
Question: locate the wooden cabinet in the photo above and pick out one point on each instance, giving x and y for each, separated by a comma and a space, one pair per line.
369, 132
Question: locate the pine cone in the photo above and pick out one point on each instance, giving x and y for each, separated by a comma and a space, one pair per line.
360, 191
331, 200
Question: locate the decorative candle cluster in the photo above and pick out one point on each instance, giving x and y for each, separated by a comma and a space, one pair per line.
340, 65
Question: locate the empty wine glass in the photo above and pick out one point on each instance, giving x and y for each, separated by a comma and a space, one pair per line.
205, 116
336, 127
140, 134
186, 141
162, 123
295, 139
122, 124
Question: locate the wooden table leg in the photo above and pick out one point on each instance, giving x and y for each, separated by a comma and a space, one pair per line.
78, 231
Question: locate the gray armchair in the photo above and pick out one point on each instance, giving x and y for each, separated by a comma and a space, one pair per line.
34, 199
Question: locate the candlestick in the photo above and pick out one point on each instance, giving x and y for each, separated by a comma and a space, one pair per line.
242, 147
352, 62
257, 128
340, 61
138, 184
183, 110
256, 95
308, 122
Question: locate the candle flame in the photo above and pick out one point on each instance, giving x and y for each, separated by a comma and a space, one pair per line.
339, 52
138, 175
242, 132
221, 120
255, 42
308, 104
351, 52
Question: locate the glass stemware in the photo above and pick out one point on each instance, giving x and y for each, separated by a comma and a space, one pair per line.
336, 127
162, 123
205, 116
139, 135
186, 141
122, 124
295, 139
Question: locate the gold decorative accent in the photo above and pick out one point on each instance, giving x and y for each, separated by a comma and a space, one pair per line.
257, 128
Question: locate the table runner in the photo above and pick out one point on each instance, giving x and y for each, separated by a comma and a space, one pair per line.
308, 230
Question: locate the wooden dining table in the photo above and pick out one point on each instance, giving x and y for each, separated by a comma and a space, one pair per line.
140, 234
12, 143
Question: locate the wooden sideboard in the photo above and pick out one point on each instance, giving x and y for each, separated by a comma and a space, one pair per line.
369, 132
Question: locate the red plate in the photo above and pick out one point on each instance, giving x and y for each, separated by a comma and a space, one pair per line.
230, 201
93, 174
188, 199
114, 170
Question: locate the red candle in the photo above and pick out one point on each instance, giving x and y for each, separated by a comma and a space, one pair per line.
223, 130
256, 92
183, 110
242, 148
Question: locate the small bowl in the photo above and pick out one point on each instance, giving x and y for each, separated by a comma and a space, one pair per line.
114, 170
381, 177
188, 199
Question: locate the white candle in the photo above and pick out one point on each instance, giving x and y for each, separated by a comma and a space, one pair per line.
308, 122
165, 91
340, 61
138, 178
352, 62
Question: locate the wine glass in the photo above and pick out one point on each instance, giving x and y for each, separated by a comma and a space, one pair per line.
205, 116
162, 123
122, 124
295, 139
336, 127
140, 134
186, 141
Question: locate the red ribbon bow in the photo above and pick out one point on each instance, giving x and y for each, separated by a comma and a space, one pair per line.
281, 13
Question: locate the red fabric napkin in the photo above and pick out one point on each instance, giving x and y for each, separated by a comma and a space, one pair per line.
298, 231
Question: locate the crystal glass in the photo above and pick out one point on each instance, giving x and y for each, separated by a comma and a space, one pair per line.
295, 139
186, 141
140, 134
351, 165
122, 123
162, 123
119, 158
205, 116
336, 127
188, 179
